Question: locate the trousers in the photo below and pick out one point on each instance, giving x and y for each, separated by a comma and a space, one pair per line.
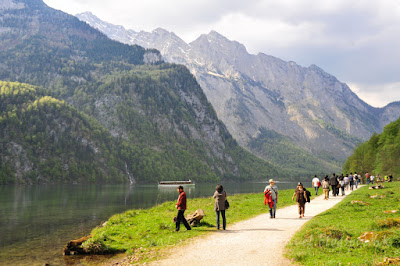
181, 218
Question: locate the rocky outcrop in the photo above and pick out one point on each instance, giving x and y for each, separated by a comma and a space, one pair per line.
74, 247
306, 105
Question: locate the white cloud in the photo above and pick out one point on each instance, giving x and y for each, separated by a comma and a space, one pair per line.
356, 41
378, 95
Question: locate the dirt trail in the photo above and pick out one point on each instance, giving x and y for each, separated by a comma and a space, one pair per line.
257, 241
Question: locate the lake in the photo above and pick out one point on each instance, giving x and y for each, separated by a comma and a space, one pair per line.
36, 221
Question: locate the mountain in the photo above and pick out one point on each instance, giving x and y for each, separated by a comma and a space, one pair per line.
160, 122
47, 140
298, 118
379, 155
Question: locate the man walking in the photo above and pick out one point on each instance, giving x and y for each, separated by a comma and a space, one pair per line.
334, 183
316, 183
271, 191
181, 206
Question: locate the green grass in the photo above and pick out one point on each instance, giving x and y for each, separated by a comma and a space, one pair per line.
331, 238
144, 232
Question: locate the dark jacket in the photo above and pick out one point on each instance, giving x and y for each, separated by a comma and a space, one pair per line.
333, 181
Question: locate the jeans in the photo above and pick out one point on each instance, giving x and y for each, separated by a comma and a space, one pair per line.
223, 219
356, 183
316, 190
367, 181
181, 218
272, 211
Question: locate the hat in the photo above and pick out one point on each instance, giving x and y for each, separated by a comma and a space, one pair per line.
300, 184
271, 180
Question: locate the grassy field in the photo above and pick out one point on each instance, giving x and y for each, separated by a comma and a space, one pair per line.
142, 233
333, 237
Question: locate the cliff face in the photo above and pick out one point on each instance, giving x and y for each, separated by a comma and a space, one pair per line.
159, 120
253, 94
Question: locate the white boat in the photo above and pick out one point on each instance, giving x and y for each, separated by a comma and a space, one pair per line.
175, 183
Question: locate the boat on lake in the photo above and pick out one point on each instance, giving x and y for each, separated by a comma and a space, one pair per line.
175, 183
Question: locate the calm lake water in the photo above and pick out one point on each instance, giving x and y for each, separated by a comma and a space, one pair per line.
37, 221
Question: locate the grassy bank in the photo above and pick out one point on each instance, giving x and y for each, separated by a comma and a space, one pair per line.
144, 232
333, 237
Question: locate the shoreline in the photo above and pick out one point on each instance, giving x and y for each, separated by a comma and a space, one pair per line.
245, 242
164, 239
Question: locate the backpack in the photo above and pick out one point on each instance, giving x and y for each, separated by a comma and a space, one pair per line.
308, 196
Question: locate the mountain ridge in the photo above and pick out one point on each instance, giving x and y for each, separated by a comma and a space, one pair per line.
307, 105
159, 119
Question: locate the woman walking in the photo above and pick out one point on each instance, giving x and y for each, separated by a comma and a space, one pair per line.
325, 187
342, 183
219, 206
301, 198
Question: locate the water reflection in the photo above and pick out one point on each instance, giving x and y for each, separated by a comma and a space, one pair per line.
38, 220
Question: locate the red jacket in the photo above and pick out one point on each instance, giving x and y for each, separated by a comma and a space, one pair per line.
181, 204
268, 198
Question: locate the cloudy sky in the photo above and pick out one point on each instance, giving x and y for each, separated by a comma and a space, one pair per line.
358, 41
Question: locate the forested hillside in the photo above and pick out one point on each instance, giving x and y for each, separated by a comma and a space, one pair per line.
159, 122
46, 140
379, 155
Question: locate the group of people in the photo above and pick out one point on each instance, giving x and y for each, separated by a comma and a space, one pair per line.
271, 195
219, 207
336, 183
379, 178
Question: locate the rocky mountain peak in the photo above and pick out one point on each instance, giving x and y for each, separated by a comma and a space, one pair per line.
219, 44
268, 102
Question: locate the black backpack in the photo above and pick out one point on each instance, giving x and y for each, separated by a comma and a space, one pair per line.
308, 196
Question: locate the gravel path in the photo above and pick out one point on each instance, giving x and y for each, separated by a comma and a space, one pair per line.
257, 241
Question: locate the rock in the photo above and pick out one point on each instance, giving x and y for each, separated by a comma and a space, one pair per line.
367, 237
360, 202
387, 261
376, 196
74, 247
195, 217
391, 211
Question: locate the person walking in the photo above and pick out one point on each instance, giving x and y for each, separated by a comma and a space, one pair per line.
301, 198
346, 182
351, 180
367, 177
316, 184
181, 206
342, 183
325, 187
372, 179
334, 183
356, 179
271, 191
219, 205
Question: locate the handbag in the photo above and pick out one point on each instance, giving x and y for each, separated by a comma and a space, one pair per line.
226, 204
